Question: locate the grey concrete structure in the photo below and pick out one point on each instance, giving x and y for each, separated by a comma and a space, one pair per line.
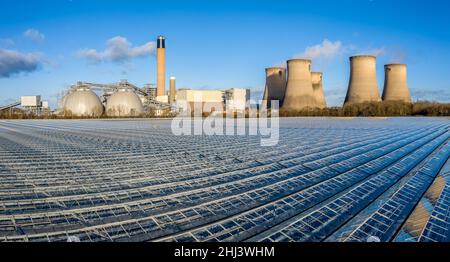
264, 102
395, 83
124, 103
83, 102
363, 85
299, 91
317, 82
275, 84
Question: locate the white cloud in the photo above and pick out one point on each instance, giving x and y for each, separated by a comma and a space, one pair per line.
13, 62
34, 35
324, 50
7, 42
118, 49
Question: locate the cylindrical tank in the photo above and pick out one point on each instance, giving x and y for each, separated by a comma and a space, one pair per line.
299, 91
83, 102
161, 66
124, 103
363, 85
317, 82
395, 83
275, 84
172, 90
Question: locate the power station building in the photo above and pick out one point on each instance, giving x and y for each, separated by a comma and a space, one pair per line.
235, 99
363, 85
395, 83
299, 90
188, 100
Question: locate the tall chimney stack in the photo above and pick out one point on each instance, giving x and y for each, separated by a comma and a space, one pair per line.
172, 89
161, 66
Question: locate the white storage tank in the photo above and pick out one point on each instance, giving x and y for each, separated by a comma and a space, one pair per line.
83, 102
124, 103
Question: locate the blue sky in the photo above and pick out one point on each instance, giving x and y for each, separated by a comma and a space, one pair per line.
45, 46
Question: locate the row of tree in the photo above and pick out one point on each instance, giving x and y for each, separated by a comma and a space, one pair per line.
381, 109
377, 109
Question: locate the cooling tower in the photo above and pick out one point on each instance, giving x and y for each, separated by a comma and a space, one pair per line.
275, 84
264, 103
172, 90
161, 66
317, 82
83, 102
124, 103
299, 90
395, 83
363, 85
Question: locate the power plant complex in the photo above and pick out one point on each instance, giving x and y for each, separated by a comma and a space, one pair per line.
295, 88
302, 89
124, 99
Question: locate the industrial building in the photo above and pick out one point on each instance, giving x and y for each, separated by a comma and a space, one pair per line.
29, 104
121, 99
188, 100
363, 85
395, 83
235, 100
317, 82
299, 89
150, 90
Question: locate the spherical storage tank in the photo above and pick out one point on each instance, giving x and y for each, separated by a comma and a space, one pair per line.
124, 103
83, 102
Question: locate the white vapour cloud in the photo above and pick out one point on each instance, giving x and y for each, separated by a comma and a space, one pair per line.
34, 35
320, 53
380, 51
13, 62
118, 49
324, 50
